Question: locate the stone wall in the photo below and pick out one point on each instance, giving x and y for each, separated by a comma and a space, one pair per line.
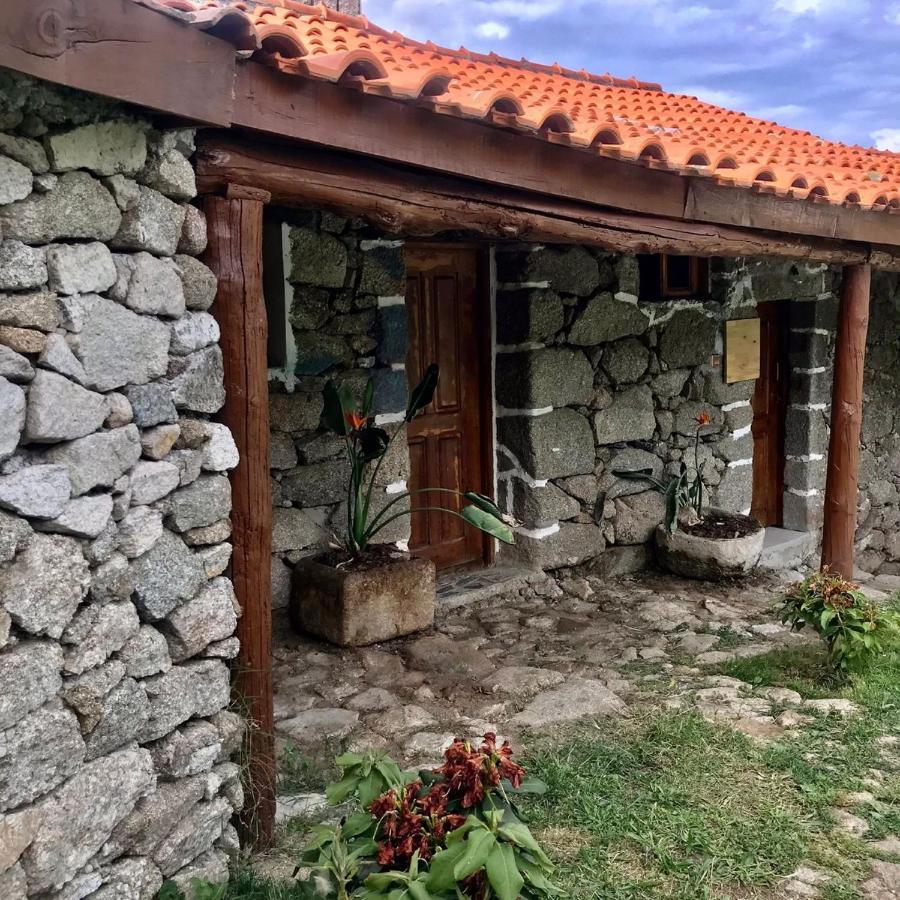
878, 531
116, 618
590, 381
341, 286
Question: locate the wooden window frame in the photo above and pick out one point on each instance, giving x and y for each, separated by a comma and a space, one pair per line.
654, 278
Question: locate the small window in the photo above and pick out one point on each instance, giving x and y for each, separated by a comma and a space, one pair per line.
666, 277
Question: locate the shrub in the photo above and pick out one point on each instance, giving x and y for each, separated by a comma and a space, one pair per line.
451, 832
852, 626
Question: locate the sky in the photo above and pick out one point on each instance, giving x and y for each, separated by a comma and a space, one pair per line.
831, 67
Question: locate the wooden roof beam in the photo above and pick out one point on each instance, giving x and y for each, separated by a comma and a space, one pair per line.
119, 49
419, 204
335, 116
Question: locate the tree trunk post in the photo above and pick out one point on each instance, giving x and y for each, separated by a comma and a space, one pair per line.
846, 422
234, 253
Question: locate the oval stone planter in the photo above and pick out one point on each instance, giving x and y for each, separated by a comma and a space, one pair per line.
707, 558
352, 607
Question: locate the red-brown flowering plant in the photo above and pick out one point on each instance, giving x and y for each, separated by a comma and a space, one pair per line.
472, 772
439, 835
412, 820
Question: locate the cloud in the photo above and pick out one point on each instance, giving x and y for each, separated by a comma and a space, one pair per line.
523, 10
816, 65
887, 139
716, 96
493, 30
805, 7
786, 112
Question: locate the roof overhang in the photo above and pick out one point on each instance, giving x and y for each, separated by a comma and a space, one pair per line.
125, 51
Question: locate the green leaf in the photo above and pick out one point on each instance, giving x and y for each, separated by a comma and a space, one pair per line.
489, 524
418, 891
337, 402
339, 791
478, 846
357, 824
440, 874
518, 834
503, 873
370, 789
369, 398
482, 501
349, 760
423, 393
382, 881
529, 785
390, 771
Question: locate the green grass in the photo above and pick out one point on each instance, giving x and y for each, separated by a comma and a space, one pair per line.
669, 806
302, 774
666, 806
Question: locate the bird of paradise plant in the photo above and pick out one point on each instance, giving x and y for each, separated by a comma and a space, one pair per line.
367, 447
683, 493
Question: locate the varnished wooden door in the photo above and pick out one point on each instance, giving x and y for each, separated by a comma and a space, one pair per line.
446, 441
769, 409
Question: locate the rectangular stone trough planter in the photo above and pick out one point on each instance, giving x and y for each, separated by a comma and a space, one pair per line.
352, 607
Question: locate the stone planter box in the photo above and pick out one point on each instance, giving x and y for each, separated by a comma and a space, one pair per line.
352, 607
710, 559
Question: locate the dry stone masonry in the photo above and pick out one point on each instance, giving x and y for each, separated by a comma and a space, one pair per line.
878, 528
345, 320
116, 616
588, 380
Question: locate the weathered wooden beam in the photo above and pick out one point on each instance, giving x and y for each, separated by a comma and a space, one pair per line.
842, 480
234, 253
122, 50
334, 116
416, 204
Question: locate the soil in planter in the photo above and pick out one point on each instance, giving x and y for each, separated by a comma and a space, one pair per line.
722, 528
375, 557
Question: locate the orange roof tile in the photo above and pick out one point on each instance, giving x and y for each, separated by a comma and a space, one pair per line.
624, 118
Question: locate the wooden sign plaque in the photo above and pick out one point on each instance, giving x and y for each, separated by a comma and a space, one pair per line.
741, 350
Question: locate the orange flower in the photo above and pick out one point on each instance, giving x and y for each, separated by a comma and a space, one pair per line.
703, 418
355, 420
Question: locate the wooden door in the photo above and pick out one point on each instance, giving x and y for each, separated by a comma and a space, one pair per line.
446, 441
769, 409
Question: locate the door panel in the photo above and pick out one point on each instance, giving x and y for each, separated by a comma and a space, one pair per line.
769, 409
446, 440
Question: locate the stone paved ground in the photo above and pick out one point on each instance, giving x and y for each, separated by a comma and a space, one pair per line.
557, 650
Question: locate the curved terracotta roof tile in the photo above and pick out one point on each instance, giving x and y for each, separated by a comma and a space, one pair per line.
625, 118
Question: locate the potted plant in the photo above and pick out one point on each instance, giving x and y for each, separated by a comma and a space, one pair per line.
361, 592
711, 545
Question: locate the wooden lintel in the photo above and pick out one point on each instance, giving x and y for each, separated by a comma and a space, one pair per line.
234, 253
842, 478
416, 204
121, 50
244, 192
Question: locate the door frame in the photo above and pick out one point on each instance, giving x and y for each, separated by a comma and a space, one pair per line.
484, 305
778, 311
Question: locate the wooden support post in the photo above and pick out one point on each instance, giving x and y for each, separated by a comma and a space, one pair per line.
235, 226
846, 422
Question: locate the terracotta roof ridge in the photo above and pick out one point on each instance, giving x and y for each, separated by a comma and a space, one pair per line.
365, 24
